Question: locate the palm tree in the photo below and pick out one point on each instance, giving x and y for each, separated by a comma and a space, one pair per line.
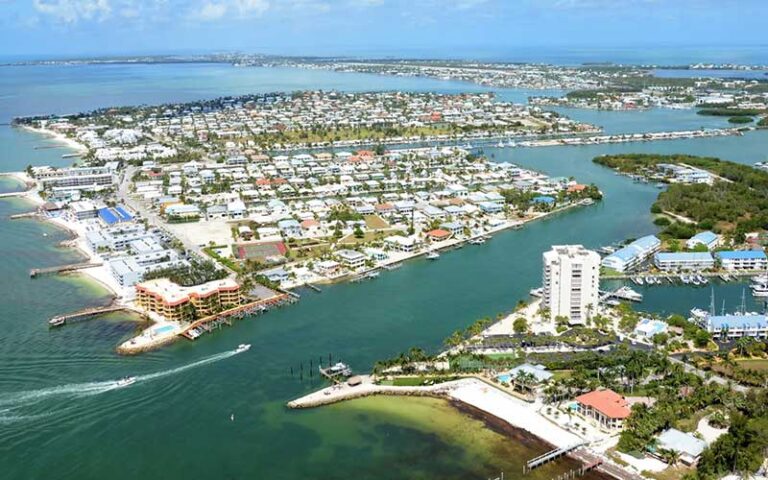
743, 344
670, 457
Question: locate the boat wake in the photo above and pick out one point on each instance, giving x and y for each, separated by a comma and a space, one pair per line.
12, 401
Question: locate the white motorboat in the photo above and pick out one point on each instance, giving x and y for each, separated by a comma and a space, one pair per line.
433, 255
125, 381
243, 347
760, 290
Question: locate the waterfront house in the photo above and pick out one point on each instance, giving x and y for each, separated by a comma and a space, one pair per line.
490, 207
736, 326
688, 261
688, 447
351, 259
376, 254
401, 243
527, 377
742, 260
438, 235
707, 238
328, 268
606, 407
632, 255
277, 274
455, 228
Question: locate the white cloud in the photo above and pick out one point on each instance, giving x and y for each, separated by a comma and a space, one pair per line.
211, 11
73, 11
365, 3
234, 9
468, 4
251, 7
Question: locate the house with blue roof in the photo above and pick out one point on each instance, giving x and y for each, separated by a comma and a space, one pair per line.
737, 326
683, 261
290, 228
686, 445
708, 239
734, 260
490, 207
632, 255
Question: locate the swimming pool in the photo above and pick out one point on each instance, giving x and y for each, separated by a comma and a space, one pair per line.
164, 329
504, 377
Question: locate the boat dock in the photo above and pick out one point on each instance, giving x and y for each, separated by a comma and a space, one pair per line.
61, 320
35, 272
335, 373
623, 293
216, 321
548, 457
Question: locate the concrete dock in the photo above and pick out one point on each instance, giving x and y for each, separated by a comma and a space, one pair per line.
345, 391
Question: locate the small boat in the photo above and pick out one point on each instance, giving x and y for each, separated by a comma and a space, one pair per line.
698, 313
477, 241
537, 292
639, 280
125, 381
500, 145
372, 275
433, 255
760, 290
242, 347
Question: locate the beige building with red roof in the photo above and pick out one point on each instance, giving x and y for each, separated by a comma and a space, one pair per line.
606, 407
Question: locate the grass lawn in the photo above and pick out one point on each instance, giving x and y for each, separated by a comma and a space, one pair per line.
560, 374
760, 364
415, 381
368, 236
502, 356
375, 222
671, 473
689, 424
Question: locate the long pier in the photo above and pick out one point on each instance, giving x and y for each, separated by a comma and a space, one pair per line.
35, 272
60, 320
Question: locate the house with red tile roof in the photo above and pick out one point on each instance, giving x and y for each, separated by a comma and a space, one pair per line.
606, 407
438, 235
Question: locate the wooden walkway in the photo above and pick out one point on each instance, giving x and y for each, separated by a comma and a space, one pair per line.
548, 457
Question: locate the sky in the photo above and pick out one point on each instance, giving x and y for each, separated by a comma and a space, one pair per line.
439, 28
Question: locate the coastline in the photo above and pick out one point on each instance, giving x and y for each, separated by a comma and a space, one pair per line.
452, 243
471, 391
58, 137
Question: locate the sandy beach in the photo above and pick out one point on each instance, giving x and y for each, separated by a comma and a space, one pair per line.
58, 137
